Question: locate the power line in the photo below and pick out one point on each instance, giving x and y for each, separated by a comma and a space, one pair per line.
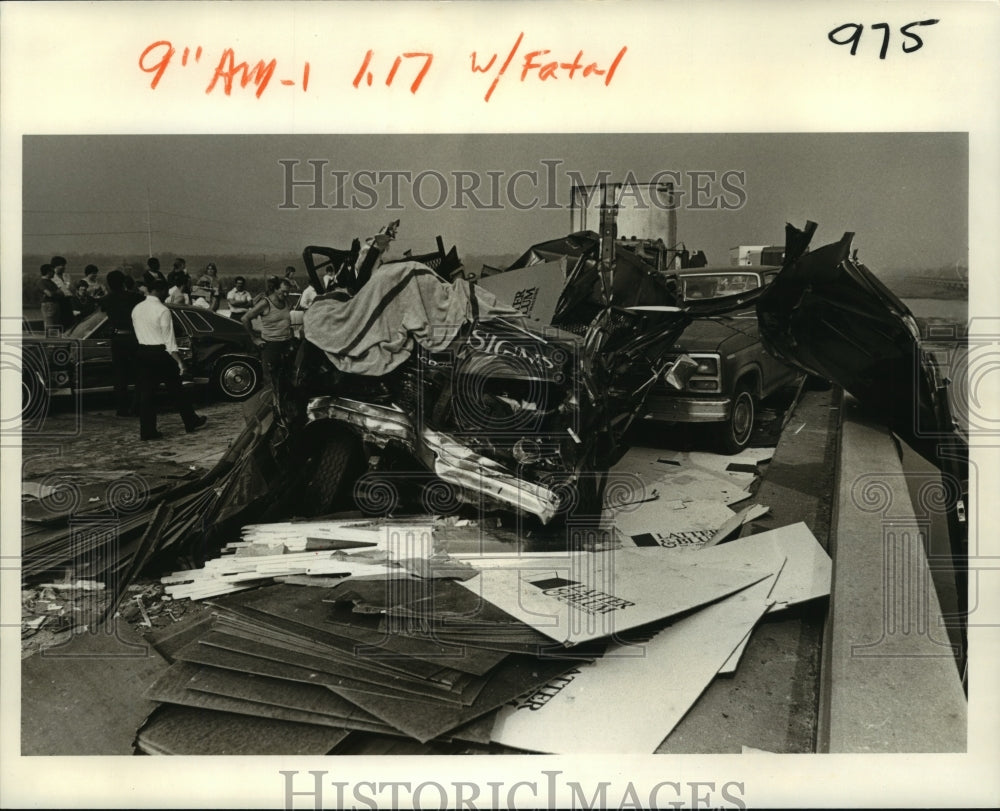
78, 211
233, 222
236, 223
80, 233
269, 246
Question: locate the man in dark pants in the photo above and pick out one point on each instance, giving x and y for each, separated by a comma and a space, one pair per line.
159, 361
118, 304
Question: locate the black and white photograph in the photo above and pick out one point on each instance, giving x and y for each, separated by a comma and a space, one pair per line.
353, 447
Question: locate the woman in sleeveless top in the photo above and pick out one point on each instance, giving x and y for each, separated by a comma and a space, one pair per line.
275, 328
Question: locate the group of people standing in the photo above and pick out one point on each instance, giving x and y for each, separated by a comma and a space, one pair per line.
143, 344
204, 292
62, 301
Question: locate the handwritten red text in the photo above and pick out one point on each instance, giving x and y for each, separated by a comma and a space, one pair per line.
228, 74
541, 65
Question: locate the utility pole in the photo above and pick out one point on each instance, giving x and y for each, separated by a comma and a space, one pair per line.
149, 225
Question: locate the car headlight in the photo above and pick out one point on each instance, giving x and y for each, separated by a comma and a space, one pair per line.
707, 376
708, 366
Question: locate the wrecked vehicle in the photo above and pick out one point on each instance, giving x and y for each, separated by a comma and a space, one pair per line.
827, 314
734, 372
402, 369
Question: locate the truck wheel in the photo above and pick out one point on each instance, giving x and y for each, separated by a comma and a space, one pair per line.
338, 459
734, 434
236, 378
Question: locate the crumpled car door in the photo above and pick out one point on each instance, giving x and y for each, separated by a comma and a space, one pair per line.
829, 315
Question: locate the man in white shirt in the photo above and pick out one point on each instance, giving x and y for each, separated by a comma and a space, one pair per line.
307, 298
158, 360
239, 299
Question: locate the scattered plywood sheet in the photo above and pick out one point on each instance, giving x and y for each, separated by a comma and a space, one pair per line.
807, 571
297, 612
407, 539
806, 575
310, 698
698, 484
744, 516
232, 572
352, 672
85, 697
628, 701
424, 721
604, 593
694, 475
172, 688
176, 730
733, 662
747, 458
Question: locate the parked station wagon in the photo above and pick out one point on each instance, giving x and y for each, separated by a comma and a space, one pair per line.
217, 350
733, 372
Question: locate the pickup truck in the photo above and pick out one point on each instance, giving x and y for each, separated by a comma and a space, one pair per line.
733, 372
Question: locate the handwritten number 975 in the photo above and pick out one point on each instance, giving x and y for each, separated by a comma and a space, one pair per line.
850, 34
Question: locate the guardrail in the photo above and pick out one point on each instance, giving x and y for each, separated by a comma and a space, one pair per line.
889, 681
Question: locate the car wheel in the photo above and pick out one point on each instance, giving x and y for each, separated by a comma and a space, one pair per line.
236, 378
734, 434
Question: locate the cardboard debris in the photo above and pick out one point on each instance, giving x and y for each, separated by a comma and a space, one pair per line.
677, 517
307, 698
629, 700
433, 631
806, 575
533, 291
744, 516
695, 492
605, 593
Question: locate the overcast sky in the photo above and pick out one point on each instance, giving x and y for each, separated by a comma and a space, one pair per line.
905, 195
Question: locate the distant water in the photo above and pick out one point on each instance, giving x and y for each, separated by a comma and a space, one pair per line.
956, 310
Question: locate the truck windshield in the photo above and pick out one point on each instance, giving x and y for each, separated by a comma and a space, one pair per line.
716, 285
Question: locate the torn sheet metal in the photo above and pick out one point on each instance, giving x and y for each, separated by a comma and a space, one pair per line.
829, 315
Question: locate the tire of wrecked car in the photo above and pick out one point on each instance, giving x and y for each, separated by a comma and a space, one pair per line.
236, 378
734, 434
337, 459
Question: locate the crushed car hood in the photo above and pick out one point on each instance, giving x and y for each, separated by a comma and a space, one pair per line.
829, 315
